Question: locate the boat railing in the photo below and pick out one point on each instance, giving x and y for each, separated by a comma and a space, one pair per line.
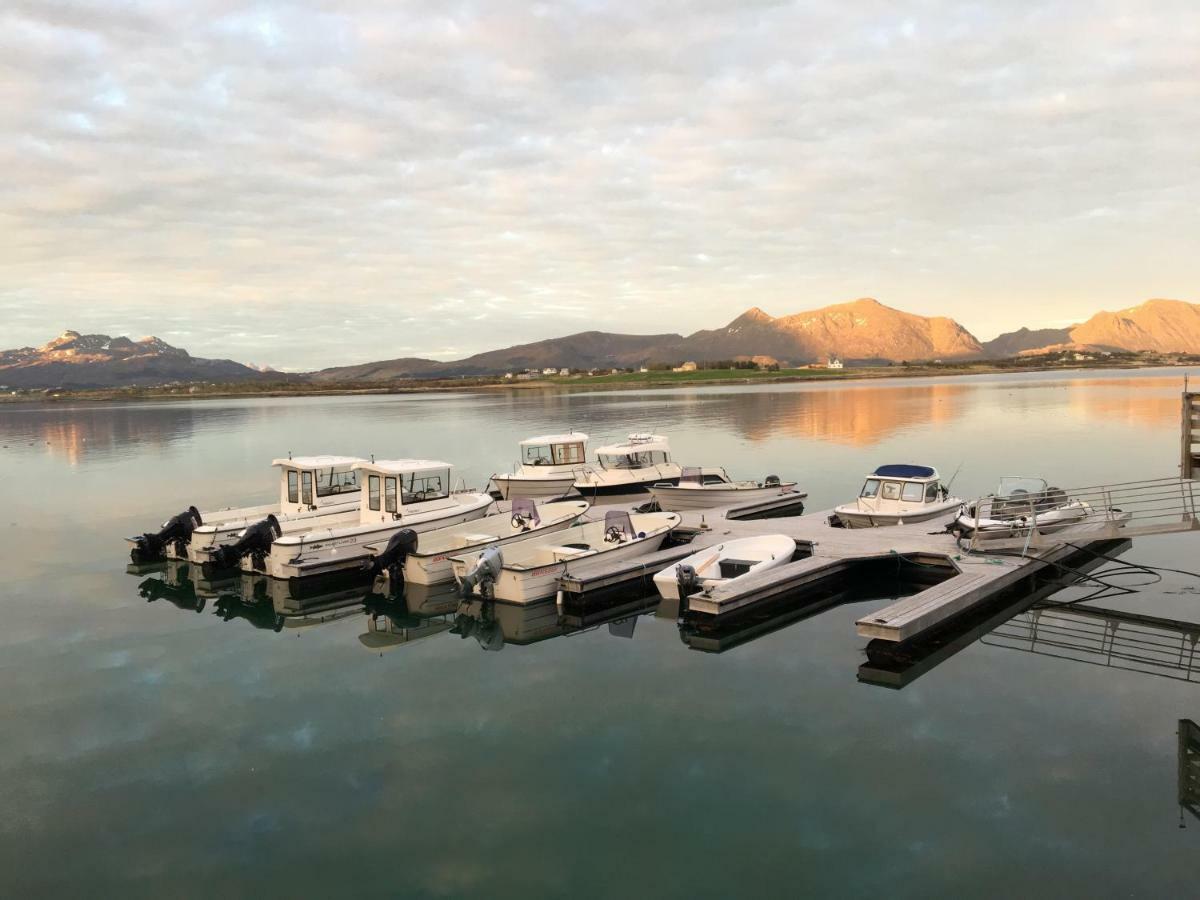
1057, 515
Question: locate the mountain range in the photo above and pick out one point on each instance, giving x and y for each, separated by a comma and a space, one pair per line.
862, 330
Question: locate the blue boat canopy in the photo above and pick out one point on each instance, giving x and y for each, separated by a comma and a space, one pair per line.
905, 471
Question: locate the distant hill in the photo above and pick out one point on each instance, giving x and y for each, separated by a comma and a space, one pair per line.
860, 330
1015, 342
74, 360
1167, 326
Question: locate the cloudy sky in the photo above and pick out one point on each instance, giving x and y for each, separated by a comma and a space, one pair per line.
304, 184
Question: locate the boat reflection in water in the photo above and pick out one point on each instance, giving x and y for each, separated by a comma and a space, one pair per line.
174, 586
495, 625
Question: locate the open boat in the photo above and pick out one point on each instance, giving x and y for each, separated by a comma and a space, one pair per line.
398, 494
1019, 503
313, 490
720, 564
549, 466
428, 561
896, 495
642, 460
528, 570
706, 488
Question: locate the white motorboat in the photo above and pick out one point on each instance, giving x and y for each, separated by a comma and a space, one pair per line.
897, 495
723, 563
1020, 503
643, 460
528, 570
705, 488
397, 494
429, 561
549, 465
312, 490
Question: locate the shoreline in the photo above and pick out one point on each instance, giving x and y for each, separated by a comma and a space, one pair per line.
650, 380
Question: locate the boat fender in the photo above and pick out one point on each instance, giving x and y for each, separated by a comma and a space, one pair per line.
486, 570
151, 546
256, 540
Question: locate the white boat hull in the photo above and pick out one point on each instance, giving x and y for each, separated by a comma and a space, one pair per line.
207, 539
851, 516
521, 487
765, 552
625, 481
326, 550
436, 568
677, 498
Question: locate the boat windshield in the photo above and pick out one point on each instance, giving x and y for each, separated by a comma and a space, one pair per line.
421, 486
913, 492
1020, 484
871, 488
637, 460
690, 475
552, 454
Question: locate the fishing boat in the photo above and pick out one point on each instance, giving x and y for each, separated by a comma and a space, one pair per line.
704, 488
398, 494
723, 563
313, 490
896, 495
527, 571
549, 465
427, 561
632, 466
1019, 503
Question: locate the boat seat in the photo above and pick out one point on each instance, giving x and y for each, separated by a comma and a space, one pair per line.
467, 540
568, 551
732, 568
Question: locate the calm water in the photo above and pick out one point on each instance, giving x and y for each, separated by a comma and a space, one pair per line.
151, 749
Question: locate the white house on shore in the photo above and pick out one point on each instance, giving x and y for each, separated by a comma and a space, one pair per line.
686, 367
834, 363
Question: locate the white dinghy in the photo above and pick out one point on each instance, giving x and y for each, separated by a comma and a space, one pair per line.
1020, 503
528, 570
427, 560
312, 490
723, 563
643, 460
549, 466
705, 488
895, 495
397, 494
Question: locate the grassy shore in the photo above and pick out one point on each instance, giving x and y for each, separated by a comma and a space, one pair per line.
624, 380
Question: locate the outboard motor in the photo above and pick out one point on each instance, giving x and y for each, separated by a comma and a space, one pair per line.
391, 561
771, 481
689, 582
487, 570
255, 540
150, 547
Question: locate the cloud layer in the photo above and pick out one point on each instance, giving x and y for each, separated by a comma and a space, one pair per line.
306, 184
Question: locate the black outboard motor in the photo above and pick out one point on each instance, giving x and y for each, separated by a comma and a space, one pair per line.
689, 582
391, 562
255, 540
151, 547
771, 481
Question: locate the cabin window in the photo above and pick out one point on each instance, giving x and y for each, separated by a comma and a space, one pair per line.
871, 488
568, 454
389, 494
912, 492
306, 488
373, 492
633, 460
891, 490
293, 486
536, 456
421, 486
330, 482
931, 492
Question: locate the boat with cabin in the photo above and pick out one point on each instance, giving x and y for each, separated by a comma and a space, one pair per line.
722, 564
897, 495
629, 467
425, 559
705, 488
549, 466
397, 494
312, 490
527, 571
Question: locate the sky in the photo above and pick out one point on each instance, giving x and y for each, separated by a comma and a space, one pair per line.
308, 184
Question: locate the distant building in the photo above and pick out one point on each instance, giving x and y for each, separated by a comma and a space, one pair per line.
834, 363
564, 371
644, 369
549, 370
686, 367
508, 375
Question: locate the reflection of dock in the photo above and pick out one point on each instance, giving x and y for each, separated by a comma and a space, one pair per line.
1189, 768
1105, 637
